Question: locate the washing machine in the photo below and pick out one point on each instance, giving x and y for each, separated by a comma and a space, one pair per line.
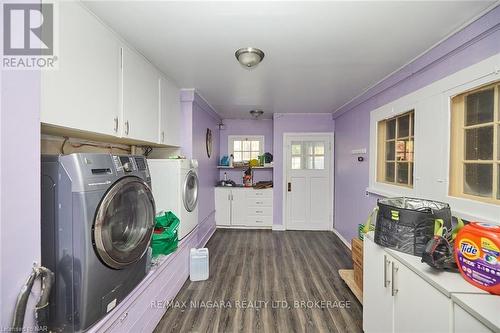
175, 188
97, 221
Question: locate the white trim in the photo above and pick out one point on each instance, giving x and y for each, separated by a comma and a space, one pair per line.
278, 227
232, 138
346, 243
331, 174
432, 105
243, 227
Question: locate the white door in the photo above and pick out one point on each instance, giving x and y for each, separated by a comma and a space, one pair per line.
223, 206
83, 93
140, 97
308, 182
415, 297
377, 292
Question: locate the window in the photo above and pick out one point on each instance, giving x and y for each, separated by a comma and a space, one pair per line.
246, 148
395, 158
308, 155
475, 145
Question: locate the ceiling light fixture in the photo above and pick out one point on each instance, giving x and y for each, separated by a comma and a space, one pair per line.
249, 56
256, 113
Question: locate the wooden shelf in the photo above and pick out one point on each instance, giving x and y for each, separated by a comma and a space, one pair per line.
348, 276
244, 167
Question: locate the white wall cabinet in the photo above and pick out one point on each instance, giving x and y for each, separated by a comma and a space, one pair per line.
83, 93
243, 207
140, 97
170, 113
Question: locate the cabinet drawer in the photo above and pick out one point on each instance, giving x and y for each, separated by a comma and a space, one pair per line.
260, 202
255, 221
260, 211
252, 194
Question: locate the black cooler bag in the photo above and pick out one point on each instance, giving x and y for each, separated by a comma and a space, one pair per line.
407, 224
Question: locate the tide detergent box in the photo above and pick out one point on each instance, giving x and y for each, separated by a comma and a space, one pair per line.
478, 256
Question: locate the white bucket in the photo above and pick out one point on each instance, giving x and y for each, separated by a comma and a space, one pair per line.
198, 264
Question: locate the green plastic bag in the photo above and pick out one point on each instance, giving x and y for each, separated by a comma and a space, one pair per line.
165, 238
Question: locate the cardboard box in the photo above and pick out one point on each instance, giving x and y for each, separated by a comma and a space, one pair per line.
357, 261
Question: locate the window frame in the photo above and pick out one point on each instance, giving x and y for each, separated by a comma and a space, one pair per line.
382, 141
458, 144
232, 138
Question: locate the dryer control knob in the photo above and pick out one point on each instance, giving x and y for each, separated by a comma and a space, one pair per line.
127, 167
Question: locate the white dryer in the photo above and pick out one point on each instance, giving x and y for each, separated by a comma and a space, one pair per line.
175, 188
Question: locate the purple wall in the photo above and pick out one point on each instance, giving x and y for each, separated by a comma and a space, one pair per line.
292, 123
19, 188
202, 116
247, 127
476, 42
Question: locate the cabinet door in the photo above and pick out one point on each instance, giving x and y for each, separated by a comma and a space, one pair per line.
418, 307
222, 206
463, 322
377, 298
170, 113
239, 207
83, 93
140, 97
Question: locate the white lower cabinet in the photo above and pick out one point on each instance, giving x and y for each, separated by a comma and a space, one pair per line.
243, 207
396, 299
464, 322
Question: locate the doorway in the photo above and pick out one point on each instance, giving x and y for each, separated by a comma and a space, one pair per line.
308, 175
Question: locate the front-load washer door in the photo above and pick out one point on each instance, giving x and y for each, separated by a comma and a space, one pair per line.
124, 222
190, 191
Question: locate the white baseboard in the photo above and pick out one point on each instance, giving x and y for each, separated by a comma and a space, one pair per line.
242, 227
348, 244
278, 227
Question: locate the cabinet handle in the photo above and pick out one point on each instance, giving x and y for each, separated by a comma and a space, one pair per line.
162, 136
394, 290
229, 196
123, 317
257, 221
127, 127
258, 211
116, 124
386, 282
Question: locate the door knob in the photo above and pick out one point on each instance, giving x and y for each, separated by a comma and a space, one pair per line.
289, 187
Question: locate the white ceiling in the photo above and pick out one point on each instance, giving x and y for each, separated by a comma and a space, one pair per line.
319, 55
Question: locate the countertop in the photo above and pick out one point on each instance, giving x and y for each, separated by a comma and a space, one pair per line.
446, 282
483, 307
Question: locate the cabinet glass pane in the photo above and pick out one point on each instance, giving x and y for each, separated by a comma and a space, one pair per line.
478, 179
390, 129
402, 170
255, 146
390, 150
296, 162
404, 126
389, 172
479, 107
404, 150
479, 143
319, 162
237, 145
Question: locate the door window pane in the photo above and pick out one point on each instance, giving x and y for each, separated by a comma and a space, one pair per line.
391, 129
389, 172
296, 162
237, 145
319, 162
402, 173
309, 162
247, 145
254, 155
404, 126
237, 156
478, 179
246, 156
479, 143
479, 107
296, 149
319, 148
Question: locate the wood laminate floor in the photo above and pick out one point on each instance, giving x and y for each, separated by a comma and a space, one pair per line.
264, 281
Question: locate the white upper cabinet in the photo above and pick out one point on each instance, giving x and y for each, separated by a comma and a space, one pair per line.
140, 97
170, 113
83, 93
